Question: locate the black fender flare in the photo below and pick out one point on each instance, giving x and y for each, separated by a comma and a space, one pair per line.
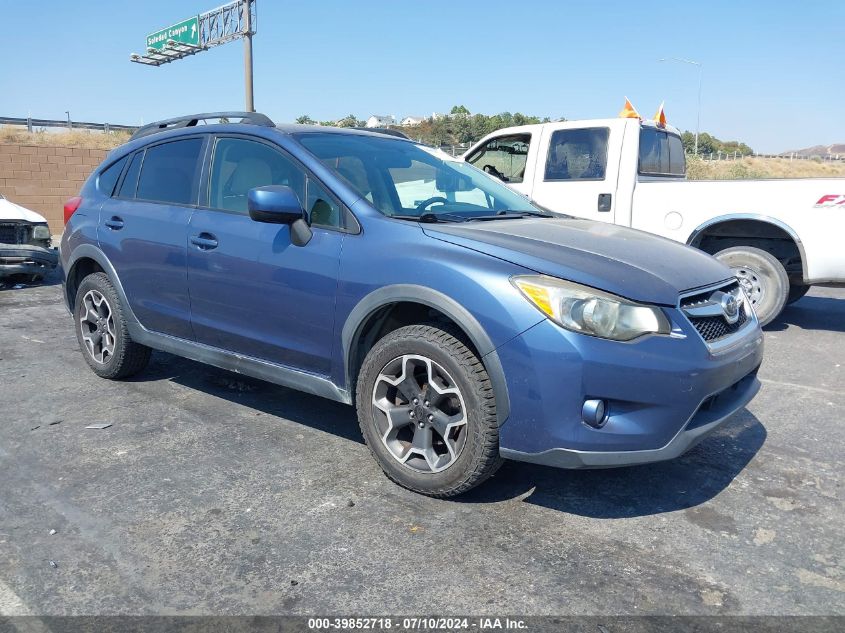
89, 251
451, 308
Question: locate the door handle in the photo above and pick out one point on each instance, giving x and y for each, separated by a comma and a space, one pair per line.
114, 222
605, 200
204, 241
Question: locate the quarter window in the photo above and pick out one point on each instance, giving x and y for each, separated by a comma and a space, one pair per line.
240, 165
661, 153
322, 208
169, 171
108, 178
577, 154
504, 157
130, 180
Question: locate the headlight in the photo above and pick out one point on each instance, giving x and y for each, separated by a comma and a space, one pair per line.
41, 232
589, 311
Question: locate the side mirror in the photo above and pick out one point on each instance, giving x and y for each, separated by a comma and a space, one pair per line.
277, 204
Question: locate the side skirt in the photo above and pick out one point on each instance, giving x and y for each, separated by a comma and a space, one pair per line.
257, 368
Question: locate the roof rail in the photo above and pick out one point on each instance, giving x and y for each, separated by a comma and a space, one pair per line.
190, 120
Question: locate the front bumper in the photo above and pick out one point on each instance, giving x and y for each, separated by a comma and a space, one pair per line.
664, 394
26, 259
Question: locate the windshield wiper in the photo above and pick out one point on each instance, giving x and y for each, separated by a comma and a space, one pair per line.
432, 218
509, 215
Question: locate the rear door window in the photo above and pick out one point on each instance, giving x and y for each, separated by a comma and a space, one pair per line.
579, 154
169, 172
661, 153
504, 157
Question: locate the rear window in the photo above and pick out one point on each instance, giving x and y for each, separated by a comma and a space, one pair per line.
108, 178
661, 153
169, 171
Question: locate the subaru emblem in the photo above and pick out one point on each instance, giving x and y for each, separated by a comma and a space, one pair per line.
730, 308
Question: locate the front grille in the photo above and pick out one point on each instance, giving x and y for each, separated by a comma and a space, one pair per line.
716, 327
704, 312
15, 233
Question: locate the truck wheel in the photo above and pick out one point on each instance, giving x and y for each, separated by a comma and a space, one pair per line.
427, 411
102, 333
762, 277
796, 291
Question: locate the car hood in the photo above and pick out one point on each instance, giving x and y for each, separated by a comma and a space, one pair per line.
11, 211
626, 262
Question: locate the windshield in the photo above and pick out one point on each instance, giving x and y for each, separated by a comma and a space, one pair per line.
402, 179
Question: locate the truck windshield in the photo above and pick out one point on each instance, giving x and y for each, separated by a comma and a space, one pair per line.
411, 181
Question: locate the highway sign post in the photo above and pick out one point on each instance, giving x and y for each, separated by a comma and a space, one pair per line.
232, 21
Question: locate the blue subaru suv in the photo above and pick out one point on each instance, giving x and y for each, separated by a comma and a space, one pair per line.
465, 324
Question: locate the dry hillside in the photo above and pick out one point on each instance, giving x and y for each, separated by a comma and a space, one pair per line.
75, 138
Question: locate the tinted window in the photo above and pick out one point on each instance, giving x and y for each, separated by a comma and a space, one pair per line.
168, 172
240, 165
503, 157
321, 206
108, 178
577, 154
661, 153
130, 180
677, 159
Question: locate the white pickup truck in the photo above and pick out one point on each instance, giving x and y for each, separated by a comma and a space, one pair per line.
779, 236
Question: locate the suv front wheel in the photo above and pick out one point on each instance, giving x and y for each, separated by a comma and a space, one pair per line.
102, 332
427, 411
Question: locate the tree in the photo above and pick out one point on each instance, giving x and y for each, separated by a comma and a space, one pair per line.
305, 120
459, 110
350, 120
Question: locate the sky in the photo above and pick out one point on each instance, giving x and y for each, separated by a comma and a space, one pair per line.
772, 72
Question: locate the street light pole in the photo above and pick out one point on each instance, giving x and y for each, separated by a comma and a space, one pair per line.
250, 104
700, 69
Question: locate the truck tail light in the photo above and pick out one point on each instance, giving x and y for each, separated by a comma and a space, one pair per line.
71, 206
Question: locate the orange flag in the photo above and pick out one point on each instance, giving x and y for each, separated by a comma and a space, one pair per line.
628, 112
660, 116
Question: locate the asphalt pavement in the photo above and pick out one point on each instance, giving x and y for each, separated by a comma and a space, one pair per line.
211, 493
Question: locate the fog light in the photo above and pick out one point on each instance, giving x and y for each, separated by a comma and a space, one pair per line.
594, 413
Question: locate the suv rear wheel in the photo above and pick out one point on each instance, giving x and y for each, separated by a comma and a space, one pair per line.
102, 333
427, 411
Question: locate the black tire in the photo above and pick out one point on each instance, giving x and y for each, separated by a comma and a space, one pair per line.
796, 291
763, 277
478, 457
127, 357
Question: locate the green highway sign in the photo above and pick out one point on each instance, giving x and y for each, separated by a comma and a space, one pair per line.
185, 32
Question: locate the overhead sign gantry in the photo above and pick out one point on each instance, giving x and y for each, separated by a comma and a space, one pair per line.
236, 20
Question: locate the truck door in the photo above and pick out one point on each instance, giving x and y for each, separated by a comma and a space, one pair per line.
573, 173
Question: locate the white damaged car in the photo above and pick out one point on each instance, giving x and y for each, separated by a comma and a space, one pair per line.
26, 250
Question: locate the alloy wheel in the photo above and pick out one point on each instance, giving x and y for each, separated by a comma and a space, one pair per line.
97, 326
420, 413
